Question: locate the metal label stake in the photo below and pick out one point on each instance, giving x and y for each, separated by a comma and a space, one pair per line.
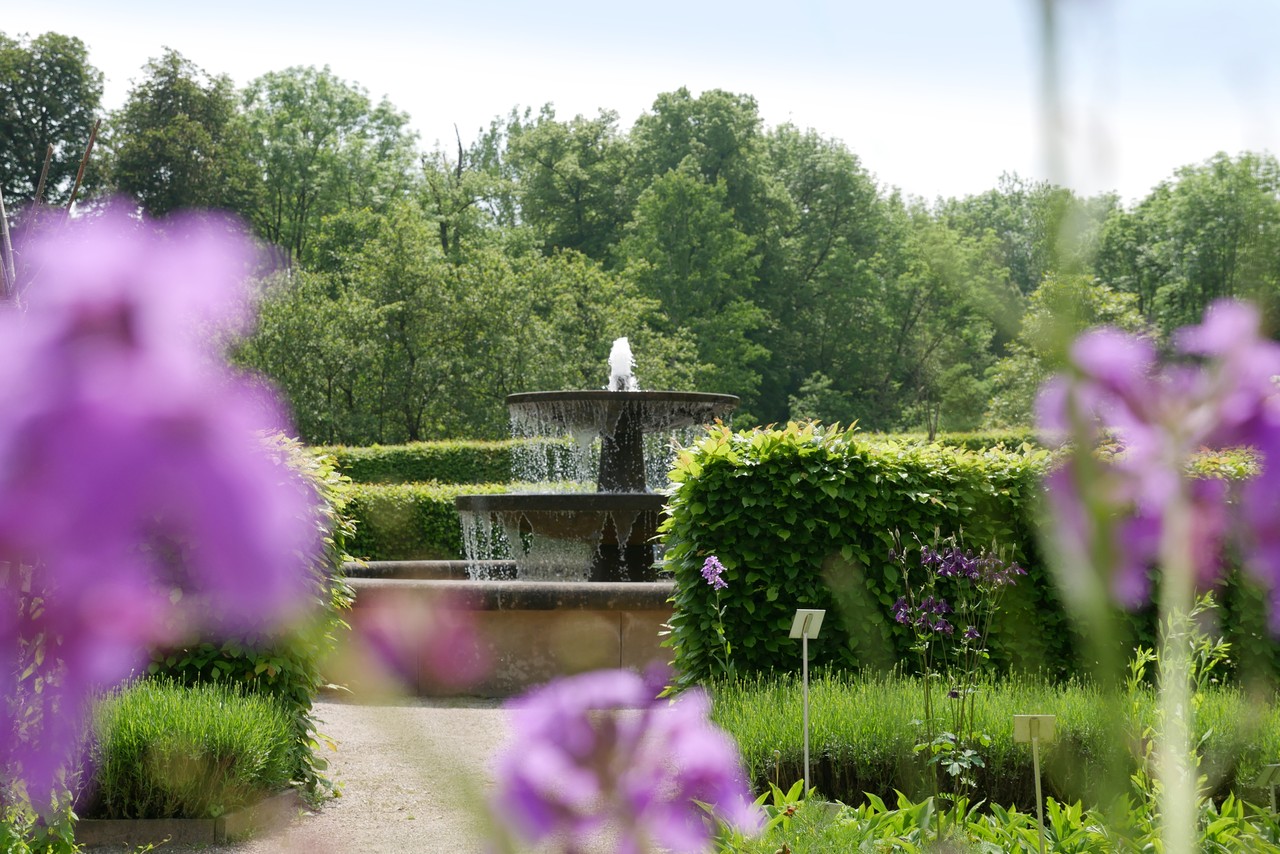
1037, 729
807, 624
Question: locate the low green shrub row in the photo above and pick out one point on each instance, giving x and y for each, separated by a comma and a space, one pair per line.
422, 462
409, 521
162, 750
864, 729
985, 441
804, 517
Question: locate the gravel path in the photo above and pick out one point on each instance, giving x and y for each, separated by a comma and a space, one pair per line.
411, 774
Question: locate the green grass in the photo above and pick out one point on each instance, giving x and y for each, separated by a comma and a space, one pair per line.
165, 751
864, 728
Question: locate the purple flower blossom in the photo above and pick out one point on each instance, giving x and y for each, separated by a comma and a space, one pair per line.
971, 633
1162, 415
712, 569
598, 751
137, 495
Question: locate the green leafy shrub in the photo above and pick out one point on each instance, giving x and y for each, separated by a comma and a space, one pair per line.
409, 521
286, 667
864, 728
163, 750
803, 517
439, 462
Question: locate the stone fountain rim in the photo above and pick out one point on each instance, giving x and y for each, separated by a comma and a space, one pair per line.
561, 502
607, 395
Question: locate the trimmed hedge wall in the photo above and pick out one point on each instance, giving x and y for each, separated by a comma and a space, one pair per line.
989, 440
442, 462
409, 521
803, 517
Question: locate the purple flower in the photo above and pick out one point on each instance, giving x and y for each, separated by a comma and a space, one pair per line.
971, 633
137, 494
1162, 416
712, 569
902, 610
597, 751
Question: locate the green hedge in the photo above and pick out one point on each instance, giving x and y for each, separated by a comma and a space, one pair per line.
985, 441
420, 462
409, 521
802, 516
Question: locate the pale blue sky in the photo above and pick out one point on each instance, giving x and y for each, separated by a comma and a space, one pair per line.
937, 97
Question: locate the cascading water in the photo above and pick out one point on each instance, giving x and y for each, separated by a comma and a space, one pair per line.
592, 462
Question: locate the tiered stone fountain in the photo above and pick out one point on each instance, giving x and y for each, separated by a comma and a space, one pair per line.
607, 532
583, 593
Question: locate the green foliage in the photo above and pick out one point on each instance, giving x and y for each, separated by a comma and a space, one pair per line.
286, 667
439, 462
49, 93
803, 516
813, 826
410, 521
864, 729
180, 142
163, 750
23, 831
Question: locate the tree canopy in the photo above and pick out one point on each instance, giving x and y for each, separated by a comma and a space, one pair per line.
414, 289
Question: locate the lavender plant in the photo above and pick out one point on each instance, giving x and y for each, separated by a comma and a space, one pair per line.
950, 612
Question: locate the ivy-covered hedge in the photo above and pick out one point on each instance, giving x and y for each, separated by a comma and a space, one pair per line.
421, 462
803, 517
409, 521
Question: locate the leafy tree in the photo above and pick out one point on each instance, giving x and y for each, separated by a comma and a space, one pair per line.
1057, 312
1213, 231
570, 181
49, 95
322, 147
180, 141
684, 250
827, 258
1040, 229
718, 136
944, 309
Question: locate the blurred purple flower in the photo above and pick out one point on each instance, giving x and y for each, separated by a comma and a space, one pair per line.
1112, 511
712, 569
598, 751
413, 640
136, 490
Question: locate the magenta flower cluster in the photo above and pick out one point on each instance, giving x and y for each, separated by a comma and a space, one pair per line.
927, 615
597, 753
985, 568
712, 570
138, 499
1221, 394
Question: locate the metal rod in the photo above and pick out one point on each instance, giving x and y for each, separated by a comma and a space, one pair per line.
1035, 761
804, 667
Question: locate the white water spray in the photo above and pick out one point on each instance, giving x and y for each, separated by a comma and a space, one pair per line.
621, 365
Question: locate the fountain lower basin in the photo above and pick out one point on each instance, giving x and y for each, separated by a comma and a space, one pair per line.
528, 631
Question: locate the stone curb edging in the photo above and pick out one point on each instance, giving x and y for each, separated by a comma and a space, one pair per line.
269, 813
